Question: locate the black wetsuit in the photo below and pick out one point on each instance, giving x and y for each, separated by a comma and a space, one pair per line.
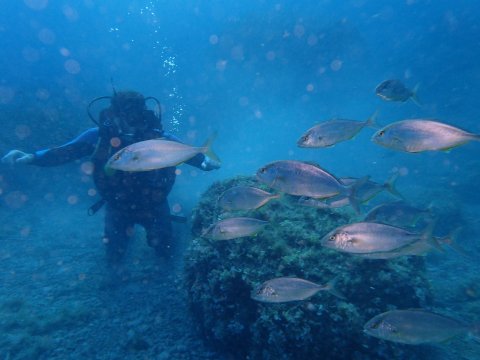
131, 198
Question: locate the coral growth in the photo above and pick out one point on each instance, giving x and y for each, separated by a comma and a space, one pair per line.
221, 275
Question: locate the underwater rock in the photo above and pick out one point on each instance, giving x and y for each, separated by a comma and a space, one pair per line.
220, 276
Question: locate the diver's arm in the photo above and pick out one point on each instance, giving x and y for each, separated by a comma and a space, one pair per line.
17, 157
83, 145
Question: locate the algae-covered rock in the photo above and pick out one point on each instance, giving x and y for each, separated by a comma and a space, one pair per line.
220, 276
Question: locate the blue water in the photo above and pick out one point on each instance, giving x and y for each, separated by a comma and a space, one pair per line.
257, 72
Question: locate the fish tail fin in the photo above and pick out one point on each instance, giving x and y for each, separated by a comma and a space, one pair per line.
372, 120
352, 194
451, 241
436, 243
414, 96
390, 185
427, 235
276, 196
208, 147
476, 137
451, 238
331, 287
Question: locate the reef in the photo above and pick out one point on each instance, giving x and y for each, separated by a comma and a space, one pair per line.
220, 276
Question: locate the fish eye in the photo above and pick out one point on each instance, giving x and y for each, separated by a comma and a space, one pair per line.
332, 238
375, 325
381, 133
262, 170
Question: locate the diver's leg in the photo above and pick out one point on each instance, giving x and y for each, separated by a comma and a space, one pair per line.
159, 231
118, 230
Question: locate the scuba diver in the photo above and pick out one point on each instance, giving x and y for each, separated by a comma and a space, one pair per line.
130, 197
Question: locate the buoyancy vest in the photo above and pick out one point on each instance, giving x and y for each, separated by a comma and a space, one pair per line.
129, 190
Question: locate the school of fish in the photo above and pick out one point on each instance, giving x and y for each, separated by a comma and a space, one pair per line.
388, 231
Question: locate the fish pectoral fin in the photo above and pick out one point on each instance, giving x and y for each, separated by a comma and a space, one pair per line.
278, 178
448, 149
108, 170
396, 140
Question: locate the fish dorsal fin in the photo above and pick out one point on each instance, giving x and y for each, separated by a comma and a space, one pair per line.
417, 310
313, 163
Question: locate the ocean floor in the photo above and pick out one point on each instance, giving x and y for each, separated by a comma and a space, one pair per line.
58, 301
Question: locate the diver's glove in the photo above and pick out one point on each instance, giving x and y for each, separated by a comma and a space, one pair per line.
17, 157
210, 164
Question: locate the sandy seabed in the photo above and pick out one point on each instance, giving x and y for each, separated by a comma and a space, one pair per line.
59, 301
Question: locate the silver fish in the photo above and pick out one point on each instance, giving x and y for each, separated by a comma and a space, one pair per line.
364, 193
415, 327
370, 189
153, 154
333, 131
285, 289
421, 247
244, 198
368, 238
330, 203
418, 248
417, 135
304, 179
395, 90
397, 213
234, 228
